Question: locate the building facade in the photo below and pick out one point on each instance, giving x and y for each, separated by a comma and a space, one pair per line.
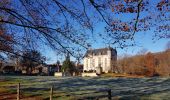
104, 57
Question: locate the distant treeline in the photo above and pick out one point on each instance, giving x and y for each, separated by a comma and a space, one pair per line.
149, 64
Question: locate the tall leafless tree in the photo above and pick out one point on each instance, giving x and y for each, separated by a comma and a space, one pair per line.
68, 25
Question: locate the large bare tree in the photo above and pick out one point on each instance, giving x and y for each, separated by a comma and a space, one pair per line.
68, 25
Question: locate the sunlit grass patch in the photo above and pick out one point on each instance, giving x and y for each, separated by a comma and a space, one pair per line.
67, 98
3, 90
157, 96
121, 75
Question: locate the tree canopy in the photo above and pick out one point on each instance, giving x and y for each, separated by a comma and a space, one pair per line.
68, 66
31, 59
67, 25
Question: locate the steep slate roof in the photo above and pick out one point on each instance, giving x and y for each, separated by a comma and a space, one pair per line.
101, 51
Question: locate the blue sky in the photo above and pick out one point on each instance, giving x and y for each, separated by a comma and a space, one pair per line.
142, 39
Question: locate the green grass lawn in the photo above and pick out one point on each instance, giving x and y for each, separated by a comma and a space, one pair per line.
72, 88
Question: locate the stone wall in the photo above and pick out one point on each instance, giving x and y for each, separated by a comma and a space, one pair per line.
58, 74
89, 75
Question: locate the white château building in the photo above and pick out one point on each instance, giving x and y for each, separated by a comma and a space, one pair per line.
104, 57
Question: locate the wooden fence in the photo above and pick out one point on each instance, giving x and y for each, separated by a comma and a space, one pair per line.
51, 92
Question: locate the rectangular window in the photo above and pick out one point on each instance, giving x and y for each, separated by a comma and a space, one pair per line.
93, 63
87, 63
99, 62
105, 62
